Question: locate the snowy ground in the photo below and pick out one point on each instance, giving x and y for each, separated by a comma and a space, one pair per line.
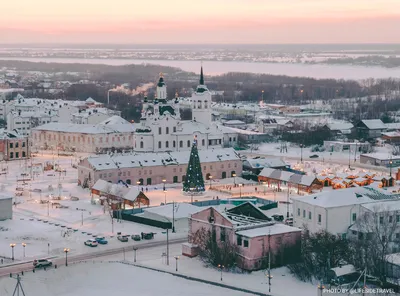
283, 283
40, 226
104, 279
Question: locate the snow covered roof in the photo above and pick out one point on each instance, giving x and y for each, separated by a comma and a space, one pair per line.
393, 125
374, 124
345, 197
234, 122
384, 206
265, 162
393, 258
272, 229
86, 128
287, 176
391, 134
6, 134
343, 270
182, 210
5, 196
118, 190
106, 162
114, 120
381, 156
90, 100
241, 131
340, 126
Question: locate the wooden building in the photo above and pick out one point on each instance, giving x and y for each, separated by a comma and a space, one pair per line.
119, 195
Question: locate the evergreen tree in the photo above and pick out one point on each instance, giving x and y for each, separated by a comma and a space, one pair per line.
194, 181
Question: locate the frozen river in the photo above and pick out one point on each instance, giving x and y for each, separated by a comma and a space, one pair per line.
217, 67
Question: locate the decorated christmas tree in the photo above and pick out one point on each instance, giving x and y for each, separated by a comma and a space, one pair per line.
194, 181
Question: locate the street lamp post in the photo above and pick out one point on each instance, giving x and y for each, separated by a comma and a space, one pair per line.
210, 178
163, 180
234, 179
173, 217
240, 190
12, 251
165, 196
390, 168
176, 264
66, 250
134, 253
24, 245
191, 194
220, 267
138, 183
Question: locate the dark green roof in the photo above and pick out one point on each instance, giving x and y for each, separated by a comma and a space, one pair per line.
201, 89
161, 82
162, 109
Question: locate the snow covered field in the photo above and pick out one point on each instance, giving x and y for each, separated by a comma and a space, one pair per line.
104, 279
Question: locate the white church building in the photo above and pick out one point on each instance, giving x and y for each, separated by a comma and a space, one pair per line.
161, 128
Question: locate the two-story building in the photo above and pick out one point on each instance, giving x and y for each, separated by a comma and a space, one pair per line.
335, 211
152, 168
252, 233
13, 146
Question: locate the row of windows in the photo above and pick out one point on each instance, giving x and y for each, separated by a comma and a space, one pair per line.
17, 154
16, 145
188, 144
78, 138
166, 130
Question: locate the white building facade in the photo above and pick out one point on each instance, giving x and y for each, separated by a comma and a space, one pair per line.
334, 211
161, 128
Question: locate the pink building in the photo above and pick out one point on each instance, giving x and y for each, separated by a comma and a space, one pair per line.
252, 232
152, 168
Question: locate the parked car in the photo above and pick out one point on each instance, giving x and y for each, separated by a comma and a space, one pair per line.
123, 238
314, 156
149, 235
289, 221
42, 263
101, 240
91, 243
278, 217
136, 237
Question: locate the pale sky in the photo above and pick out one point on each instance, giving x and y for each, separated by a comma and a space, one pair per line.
200, 21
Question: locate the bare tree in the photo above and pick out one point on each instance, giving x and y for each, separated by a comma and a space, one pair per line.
376, 238
223, 251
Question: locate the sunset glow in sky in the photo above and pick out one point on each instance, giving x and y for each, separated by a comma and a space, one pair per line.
200, 21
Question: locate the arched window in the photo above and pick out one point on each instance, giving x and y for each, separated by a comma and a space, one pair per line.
159, 144
203, 142
166, 144
175, 179
188, 143
128, 181
223, 175
173, 144
141, 144
205, 105
183, 178
141, 181
233, 173
208, 176
148, 181
180, 144
167, 130
198, 104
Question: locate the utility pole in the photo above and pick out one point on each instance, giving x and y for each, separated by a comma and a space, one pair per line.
173, 217
167, 248
349, 155
287, 202
269, 262
18, 287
